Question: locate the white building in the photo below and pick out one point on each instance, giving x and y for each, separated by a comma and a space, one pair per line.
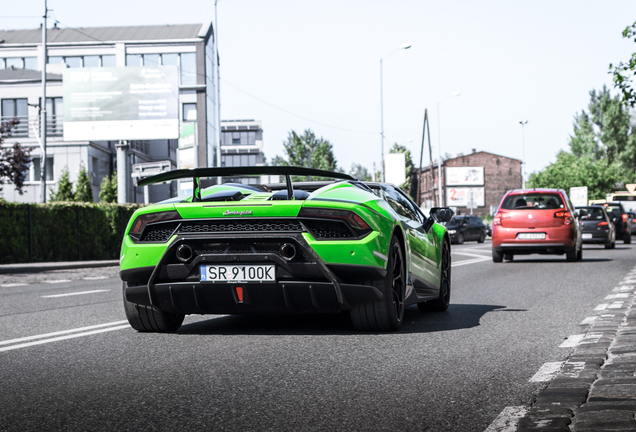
189, 47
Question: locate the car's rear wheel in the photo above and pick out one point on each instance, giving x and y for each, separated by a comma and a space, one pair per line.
496, 256
460, 238
482, 237
628, 239
608, 245
386, 314
147, 319
571, 255
579, 255
441, 303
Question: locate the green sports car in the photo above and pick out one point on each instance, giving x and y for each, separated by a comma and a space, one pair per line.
293, 247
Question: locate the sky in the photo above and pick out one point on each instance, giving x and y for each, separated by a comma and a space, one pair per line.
315, 64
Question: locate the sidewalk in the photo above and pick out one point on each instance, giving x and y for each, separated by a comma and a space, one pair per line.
40, 267
595, 391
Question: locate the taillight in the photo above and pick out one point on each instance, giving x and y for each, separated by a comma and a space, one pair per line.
602, 224
354, 219
625, 217
565, 215
499, 216
143, 220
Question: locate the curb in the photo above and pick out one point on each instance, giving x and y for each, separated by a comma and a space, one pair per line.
40, 267
596, 387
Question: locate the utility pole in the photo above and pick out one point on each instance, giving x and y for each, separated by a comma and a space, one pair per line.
523, 152
218, 89
122, 175
43, 111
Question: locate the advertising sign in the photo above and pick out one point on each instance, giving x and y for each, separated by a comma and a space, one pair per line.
395, 165
464, 176
126, 103
465, 197
578, 196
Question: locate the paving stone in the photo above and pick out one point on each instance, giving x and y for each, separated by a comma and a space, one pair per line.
615, 392
607, 420
611, 406
557, 424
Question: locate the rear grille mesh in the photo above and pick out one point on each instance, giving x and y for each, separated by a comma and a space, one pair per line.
328, 229
239, 226
159, 232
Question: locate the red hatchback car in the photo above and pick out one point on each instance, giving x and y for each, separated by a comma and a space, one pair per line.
541, 221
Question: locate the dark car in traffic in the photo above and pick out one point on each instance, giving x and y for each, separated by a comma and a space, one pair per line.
632, 218
621, 221
597, 226
466, 228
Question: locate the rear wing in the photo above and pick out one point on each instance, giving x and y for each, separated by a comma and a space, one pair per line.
196, 173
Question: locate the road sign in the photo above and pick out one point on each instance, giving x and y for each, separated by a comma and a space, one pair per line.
578, 196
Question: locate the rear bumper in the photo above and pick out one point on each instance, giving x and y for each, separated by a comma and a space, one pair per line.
520, 248
303, 284
598, 237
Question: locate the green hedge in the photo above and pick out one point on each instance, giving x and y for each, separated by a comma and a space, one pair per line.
61, 231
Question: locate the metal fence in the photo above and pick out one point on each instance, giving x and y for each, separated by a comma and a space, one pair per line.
30, 126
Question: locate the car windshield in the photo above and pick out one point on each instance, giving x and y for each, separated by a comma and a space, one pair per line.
532, 201
593, 213
456, 220
614, 209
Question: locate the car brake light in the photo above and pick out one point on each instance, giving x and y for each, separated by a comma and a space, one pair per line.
602, 223
499, 216
352, 218
624, 217
145, 219
565, 215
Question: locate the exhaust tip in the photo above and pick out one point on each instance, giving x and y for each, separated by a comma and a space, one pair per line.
184, 253
288, 251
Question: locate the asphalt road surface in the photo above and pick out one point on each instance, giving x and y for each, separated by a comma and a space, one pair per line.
69, 361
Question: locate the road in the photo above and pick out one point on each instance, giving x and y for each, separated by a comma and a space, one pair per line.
69, 361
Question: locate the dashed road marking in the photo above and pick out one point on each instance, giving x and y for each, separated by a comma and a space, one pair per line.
616, 305
508, 419
601, 307
95, 277
471, 254
588, 320
56, 281
73, 294
547, 372
13, 285
572, 341
470, 261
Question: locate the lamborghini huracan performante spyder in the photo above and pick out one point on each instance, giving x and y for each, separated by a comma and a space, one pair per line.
292, 247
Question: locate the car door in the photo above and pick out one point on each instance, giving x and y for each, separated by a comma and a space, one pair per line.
423, 270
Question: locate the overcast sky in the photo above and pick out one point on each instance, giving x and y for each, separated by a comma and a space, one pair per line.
316, 64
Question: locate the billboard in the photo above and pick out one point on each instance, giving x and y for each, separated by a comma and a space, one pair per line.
465, 197
464, 176
395, 166
125, 103
578, 196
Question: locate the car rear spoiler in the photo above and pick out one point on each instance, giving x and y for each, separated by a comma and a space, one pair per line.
197, 173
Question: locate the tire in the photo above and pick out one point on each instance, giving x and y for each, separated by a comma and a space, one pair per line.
482, 237
147, 319
608, 245
386, 314
613, 245
441, 303
509, 257
627, 239
496, 256
579, 255
460, 238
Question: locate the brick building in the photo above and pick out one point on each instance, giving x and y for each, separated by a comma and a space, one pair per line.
480, 178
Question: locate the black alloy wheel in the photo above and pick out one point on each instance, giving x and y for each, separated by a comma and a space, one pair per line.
482, 237
441, 303
460, 238
385, 314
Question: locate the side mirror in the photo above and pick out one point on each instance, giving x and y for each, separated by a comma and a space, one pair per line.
441, 214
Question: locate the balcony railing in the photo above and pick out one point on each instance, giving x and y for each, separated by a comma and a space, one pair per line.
30, 127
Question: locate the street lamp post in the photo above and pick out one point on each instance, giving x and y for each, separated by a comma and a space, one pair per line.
439, 149
523, 152
403, 47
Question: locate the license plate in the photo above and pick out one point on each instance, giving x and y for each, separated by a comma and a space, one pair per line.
531, 236
238, 273
587, 235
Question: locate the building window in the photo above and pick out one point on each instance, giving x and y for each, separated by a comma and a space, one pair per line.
152, 59
109, 61
16, 109
188, 69
74, 62
54, 115
91, 61
36, 169
134, 60
19, 63
189, 112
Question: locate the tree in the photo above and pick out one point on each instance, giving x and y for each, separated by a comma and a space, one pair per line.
602, 150
360, 172
108, 189
406, 186
64, 189
14, 161
307, 150
83, 189
624, 72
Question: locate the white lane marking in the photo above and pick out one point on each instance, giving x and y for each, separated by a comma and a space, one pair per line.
621, 295
45, 335
547, 372
95, 277
572, 341
616, 305
601, 307
57, 281
588, 320
591, 338
508, 419
13, 285
470, 254
471, 261
73, 294
76, 335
